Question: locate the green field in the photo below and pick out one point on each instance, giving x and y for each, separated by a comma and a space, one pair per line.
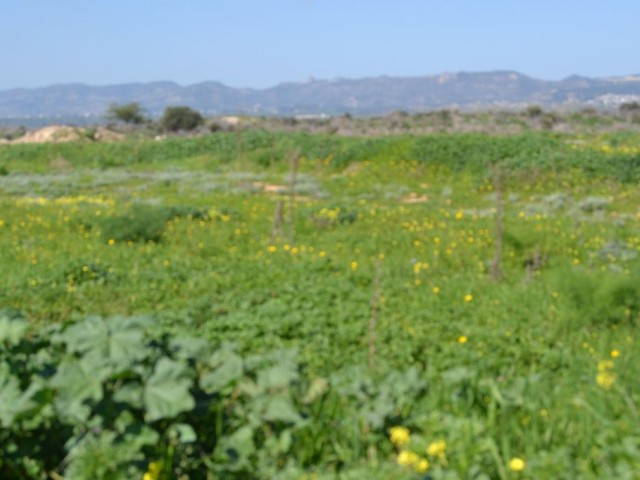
297, 306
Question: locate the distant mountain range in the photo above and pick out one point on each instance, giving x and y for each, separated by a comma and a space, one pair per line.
365, 96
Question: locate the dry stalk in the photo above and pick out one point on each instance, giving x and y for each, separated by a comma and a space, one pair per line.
277, 229
293, 168
534, 263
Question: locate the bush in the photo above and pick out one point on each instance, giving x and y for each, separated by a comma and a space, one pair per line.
146, 223
128, 113
603, 297
180, 118
143, 223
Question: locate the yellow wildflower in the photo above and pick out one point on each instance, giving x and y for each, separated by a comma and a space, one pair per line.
407, 457
354, 265
437, 448
462, 339
605, 365
422, 465
399, 436
615, 353
605, 379
516, 464
153, 471
468, 297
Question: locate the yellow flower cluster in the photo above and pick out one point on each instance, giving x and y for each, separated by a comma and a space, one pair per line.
407, 458
153, 471
106, 202
437, 448
329, 213
605, 378
401, 437
607, 148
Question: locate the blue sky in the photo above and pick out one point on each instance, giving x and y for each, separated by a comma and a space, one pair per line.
260, 43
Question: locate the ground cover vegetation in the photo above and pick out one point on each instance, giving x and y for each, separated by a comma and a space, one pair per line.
306, 306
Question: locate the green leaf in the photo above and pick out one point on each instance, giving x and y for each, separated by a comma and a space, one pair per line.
104, 456
140, 435
12, 329
280, 408
277, 445
119, 340
277, 376
190, 348
228, 371
183, 432
236, 449
75, 383
10, 394
130, 394
166, 393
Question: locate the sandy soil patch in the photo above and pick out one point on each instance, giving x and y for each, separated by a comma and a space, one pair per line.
415, 198
53, 133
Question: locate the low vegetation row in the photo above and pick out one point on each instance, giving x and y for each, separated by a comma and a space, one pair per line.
132, 120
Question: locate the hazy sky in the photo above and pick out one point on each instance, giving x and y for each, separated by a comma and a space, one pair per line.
259, 43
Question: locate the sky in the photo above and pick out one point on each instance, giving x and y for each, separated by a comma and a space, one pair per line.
261, 43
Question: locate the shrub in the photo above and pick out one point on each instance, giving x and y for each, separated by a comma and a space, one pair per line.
146, 223
603, 297
534, 111
180, 118
142, 223
128, 113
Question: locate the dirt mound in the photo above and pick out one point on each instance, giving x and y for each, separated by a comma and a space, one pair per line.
61, 133
53, 133
105, 135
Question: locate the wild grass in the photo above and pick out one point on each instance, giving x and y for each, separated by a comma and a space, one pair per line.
386, 294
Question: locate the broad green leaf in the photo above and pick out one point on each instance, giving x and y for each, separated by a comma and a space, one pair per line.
190, 347
76, 382
230, 370
277, 445
166, 393
183, 432
118, 339
12, 329
10, 394
141, 435
236, 449
104, 456
130, 394
277, 376
280, 408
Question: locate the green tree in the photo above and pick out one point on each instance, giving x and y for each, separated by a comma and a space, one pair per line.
127, 112
180, 118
